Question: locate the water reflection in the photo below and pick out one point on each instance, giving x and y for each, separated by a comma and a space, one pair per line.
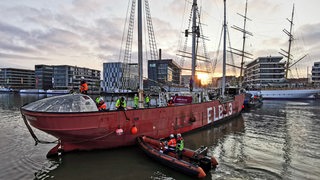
276, 136
14, 100
123, 163
212, 135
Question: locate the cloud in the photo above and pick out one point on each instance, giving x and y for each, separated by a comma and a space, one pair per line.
87, 33
14, 56
310, 34
22, 61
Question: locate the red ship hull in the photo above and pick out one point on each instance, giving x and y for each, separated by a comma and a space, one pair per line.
97, 130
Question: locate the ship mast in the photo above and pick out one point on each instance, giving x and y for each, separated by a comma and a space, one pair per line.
287, 54
140, 58
194, 36
128, 47
290, 42
242, 53
223, 83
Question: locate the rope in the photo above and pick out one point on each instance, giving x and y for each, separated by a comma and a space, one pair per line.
94, 138
34, 136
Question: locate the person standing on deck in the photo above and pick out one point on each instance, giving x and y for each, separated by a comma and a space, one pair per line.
121, 104
83, 86
191, 84
101, 105
148, 100
170, 102
136, 101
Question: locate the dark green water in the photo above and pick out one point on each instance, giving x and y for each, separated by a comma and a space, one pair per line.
279, 140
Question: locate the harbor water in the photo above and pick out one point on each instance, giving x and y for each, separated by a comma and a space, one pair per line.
279, 140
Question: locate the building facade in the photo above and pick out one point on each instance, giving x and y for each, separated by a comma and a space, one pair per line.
17, 79
316, 73
68, 77
118, 76
43, 75
264, 70
49, 77
163, 72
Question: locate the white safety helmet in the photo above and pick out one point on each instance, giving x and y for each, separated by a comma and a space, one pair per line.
178, 135
171, 136
82, 78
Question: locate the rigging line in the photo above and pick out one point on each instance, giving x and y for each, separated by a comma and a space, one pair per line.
145, 39
231, 53
181, 26
297, 72
128, 49
216, 61
152, 38
203, 42
186, 40
122, 39
33, 134
124, 30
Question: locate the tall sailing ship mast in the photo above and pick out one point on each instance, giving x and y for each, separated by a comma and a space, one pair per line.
200, 62
128, 46
288, 54
242, 53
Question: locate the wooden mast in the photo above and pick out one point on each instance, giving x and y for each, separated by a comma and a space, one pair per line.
223, 83
287, 54
194, 35
242, 52
290, 42
140, 55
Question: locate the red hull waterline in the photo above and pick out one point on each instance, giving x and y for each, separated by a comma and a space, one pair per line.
97, 130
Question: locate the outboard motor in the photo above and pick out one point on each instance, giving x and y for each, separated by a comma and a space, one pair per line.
205, 163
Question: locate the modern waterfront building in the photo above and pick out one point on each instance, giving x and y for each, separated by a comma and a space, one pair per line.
43, 75
163, 72
118, 76
68, 77
17, 78
316, 73
49, 77
264, 70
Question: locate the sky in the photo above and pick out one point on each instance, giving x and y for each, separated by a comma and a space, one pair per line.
88, 33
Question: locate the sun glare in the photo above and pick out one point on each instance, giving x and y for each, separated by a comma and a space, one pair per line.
204, 78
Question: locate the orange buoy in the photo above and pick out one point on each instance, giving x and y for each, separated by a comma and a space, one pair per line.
134, 130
